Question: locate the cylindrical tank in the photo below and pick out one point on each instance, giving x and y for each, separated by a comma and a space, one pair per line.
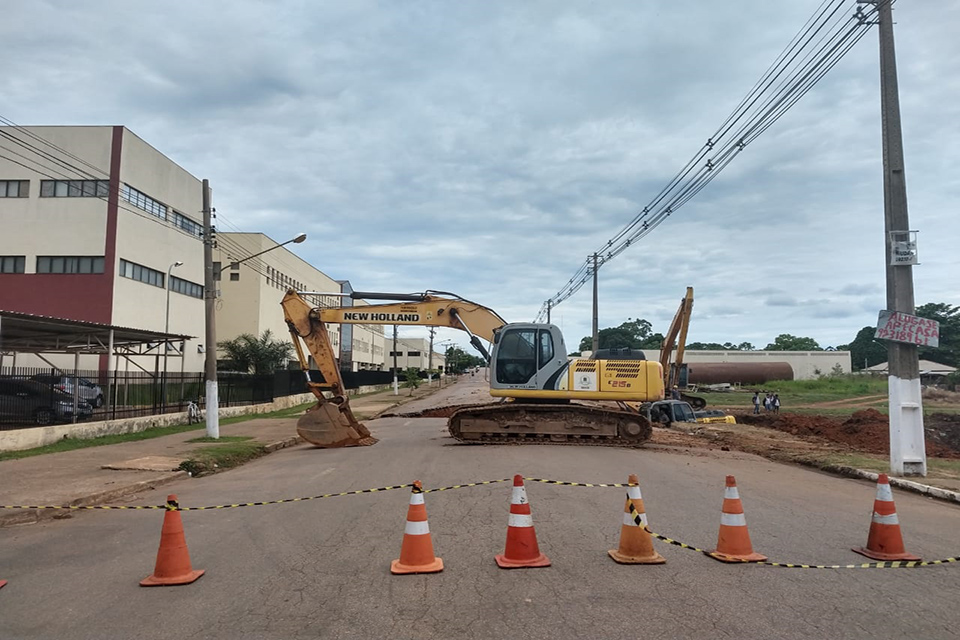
742, 372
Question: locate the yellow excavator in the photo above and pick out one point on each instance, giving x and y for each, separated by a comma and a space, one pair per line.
544, 396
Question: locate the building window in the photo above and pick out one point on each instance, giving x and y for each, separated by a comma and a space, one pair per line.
69, 264
143, 201
186, 287
396, 353
12, 264
413, 353
74, 188
14, 188
234, 277
189, 225
138, 272
217, 270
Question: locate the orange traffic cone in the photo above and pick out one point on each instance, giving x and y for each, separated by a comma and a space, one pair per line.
416, 552
521, 549
636, 545
733, 542
3, 583
884, 541
173, 559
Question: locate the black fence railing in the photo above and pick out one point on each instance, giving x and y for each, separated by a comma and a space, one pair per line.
41, 396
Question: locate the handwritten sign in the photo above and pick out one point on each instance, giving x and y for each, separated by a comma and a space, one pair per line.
902, 327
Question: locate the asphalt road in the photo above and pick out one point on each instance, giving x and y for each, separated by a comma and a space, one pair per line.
320, 568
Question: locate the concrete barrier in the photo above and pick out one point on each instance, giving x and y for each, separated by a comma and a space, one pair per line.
30, 438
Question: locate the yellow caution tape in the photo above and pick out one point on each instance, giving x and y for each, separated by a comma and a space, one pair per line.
889, 564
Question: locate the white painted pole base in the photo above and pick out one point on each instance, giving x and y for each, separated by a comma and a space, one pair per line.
908, 453
213, 410
396, 387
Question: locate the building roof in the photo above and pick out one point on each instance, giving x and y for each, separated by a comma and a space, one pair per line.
30, 333
927, 367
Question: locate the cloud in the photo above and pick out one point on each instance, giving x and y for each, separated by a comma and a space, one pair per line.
489, 148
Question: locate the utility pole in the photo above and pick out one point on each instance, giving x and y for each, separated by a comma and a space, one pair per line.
210, 327
907, 448
433, 330
396, 387
596, 307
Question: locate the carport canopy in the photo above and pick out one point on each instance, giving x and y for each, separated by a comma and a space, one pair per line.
30, 333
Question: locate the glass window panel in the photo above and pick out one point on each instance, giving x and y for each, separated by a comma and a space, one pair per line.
103, 188
76, 188
89, 188
47, 188
61, 189
98, 265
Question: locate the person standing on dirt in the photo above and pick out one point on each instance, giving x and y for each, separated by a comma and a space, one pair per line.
768, 402
776, 403
756, 402
675, 393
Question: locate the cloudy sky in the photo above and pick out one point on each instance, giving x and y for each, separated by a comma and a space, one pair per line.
486, 148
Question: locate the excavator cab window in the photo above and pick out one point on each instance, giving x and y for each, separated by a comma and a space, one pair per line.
517, 356
546, 348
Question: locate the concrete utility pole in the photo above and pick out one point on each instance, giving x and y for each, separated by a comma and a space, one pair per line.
210, 327
433, 330
596, 308
907, 447
396, 386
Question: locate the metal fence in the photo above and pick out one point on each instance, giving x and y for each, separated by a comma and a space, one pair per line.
39, 396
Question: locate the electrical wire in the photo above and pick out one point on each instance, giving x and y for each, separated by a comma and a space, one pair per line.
820, 44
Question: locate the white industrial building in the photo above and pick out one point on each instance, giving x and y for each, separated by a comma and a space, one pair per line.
415, 353
94, 220
251, 291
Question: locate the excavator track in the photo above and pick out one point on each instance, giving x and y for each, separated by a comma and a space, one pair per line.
534, 423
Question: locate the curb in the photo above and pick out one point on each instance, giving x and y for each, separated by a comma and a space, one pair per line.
909, 485
33, 516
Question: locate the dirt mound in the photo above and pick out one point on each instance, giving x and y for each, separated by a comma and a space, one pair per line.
867, 430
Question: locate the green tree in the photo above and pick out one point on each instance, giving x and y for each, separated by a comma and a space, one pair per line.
262, 355
949, 318
864, 350
716, 346
787, 342
458, 360
632, 334
411, 378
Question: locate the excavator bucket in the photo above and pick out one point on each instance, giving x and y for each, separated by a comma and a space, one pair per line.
330, 425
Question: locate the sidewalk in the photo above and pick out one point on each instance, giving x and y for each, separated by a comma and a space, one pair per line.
77, 477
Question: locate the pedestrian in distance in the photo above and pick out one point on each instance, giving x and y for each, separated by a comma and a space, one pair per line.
768, 403
756, 402
776, 403
675, 393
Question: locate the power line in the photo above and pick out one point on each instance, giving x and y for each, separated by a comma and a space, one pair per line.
810, 55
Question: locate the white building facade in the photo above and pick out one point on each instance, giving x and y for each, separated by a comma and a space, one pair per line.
94, 220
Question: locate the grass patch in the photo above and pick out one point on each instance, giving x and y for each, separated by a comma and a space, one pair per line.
222, 439
216, 458
70, 444
936, 467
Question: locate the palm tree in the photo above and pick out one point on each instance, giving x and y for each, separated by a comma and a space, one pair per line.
262, 355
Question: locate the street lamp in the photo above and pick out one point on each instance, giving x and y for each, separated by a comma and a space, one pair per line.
210, 297
297, 240
166, 326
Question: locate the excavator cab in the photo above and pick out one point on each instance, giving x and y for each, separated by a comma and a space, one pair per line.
527, 356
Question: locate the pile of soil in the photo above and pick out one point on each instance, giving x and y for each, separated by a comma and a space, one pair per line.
867, 430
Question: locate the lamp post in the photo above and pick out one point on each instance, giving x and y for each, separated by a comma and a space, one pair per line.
210, 297
166, 329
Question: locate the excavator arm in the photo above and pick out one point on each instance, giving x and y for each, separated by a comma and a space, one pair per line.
331, 423
677, 337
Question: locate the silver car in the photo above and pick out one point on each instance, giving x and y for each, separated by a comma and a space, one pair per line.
89, 391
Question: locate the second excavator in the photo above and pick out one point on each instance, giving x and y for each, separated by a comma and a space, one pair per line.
545, 397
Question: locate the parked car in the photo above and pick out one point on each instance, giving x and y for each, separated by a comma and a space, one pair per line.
89, 391
32, 401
